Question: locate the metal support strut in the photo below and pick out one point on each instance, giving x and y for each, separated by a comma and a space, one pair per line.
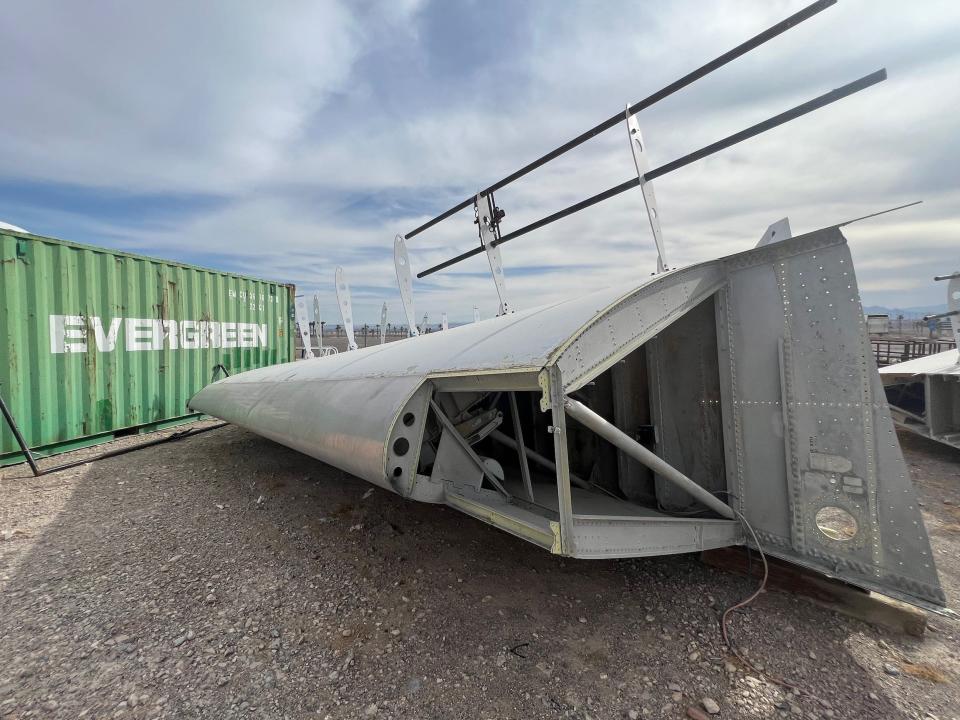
521, 448
449, 427
641, 162
619, 439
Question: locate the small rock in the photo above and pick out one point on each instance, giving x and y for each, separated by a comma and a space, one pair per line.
673, 687
178, 641
676, 697
710, 705
812, 655
51, 705
696, 714
650, 618
133, 700
371, 710
891, 669
346, 633
729, 667
694, 656
873, 696
191, 635
582, 619
334, 675
633, 714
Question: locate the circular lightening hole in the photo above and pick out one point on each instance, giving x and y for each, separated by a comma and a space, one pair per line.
836, 523
397, 471
408, 419
401, 446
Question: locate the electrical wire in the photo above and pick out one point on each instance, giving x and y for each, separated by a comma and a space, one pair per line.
724, 620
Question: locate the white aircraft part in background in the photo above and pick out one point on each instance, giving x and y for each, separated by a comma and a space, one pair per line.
317, 323
346, 307
383, 324
401, 262
300, 304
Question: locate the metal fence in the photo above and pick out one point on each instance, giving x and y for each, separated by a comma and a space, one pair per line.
889, 351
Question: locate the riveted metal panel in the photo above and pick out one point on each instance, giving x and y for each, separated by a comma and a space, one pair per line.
97, 341
802, 415
811, 428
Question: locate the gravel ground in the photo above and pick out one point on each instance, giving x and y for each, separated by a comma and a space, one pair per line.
225, 576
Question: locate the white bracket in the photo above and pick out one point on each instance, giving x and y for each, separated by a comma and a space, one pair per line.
317, 324
443, 322
346, 308
476, 314
383, 324
487, 220
423, 327
780, 230
300, 304
642, 163
401, 261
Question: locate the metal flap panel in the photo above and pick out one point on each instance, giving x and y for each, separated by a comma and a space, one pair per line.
634, 319
812, 454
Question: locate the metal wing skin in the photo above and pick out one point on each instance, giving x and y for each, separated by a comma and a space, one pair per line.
750, 375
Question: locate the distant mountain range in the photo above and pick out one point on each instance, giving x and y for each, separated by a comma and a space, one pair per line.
910, 312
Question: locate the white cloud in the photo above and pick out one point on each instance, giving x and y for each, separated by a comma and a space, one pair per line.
329, 127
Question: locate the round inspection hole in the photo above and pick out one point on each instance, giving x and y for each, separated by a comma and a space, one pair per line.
401, 446
397, 471
836, 523
408, 419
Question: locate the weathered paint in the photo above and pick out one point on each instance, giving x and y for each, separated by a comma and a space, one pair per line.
97, 341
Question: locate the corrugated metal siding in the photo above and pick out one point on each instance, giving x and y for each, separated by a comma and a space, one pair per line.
59, 397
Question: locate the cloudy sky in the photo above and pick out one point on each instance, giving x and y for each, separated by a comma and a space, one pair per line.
283, 139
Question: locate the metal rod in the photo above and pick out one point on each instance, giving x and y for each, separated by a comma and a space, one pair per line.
777, 120
536, 457
882, 212
702, 71
951, 276
616, 437
24, 448
941, 315
449, 426
752, 131
518, 432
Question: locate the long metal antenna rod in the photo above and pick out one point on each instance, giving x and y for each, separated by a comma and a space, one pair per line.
881, 212
702, 71
752, 131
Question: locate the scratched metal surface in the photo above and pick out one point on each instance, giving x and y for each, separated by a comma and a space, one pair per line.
808, 424
805, 422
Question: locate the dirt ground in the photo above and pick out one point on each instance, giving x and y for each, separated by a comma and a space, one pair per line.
225, 576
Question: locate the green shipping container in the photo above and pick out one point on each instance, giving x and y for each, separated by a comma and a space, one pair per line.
99, 343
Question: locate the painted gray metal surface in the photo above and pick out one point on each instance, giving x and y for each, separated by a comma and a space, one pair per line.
805, 424
802, 393
936, 378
